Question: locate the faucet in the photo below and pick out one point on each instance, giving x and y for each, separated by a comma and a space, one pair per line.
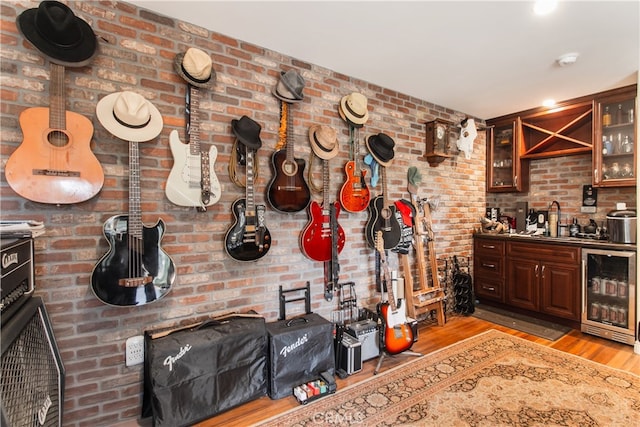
557, 225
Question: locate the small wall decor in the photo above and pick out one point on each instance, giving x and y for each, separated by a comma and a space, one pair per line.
437, 141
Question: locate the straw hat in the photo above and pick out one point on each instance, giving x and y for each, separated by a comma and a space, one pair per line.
195, 67
324, 141
129, 116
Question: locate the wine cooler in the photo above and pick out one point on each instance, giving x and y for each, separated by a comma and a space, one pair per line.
609, 294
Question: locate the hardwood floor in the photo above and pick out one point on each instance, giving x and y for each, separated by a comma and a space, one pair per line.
431, 338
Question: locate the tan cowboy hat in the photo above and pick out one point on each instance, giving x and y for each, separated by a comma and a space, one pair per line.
195, 67
353, 108
324, 141
129, 116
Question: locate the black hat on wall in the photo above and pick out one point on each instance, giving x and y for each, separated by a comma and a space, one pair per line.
247, 131
381, 148
61, 36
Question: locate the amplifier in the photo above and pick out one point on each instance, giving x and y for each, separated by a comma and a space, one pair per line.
350, 357
17, 274
366, 331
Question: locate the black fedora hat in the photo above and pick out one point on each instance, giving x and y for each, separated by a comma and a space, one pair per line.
61, 36
381, 148
247, 131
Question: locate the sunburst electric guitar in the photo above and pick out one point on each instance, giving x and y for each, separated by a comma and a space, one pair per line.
136, 270
398, 335
354, 194
316, 238
192, 180
55, 164
248, 239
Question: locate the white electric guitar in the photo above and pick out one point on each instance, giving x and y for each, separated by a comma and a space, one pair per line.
192, 180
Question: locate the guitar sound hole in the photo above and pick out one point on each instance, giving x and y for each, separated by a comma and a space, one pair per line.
289, 168
58, 138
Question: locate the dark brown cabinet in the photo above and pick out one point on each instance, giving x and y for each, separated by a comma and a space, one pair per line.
544, 278
505, 171
614, 137
489, 268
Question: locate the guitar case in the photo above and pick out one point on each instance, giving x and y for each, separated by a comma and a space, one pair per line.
300, 348
195, 372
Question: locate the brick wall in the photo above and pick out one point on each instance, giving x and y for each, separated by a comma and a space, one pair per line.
137, 48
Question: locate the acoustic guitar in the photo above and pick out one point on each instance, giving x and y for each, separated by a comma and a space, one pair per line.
398, 335
316, 237
354, 194
288, 191
54, 163
136, 270
382, 217
192, 180
248, 239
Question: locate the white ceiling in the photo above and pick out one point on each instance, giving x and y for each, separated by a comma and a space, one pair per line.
482, 58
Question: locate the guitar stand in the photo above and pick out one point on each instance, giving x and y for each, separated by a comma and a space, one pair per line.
384, 354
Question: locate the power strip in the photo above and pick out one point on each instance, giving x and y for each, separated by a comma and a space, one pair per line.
135, 350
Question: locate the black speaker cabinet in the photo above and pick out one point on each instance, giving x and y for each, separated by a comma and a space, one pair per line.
32, 375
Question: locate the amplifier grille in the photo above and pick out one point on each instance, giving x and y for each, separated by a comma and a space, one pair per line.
30, 381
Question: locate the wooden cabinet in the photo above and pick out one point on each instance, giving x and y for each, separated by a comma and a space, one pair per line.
489, 268
615, 136
505, 171
544, 278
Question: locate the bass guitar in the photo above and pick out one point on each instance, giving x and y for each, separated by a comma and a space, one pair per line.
354, 194
316, 238
398, 335
136, 270
382, 217
288, 191
192, 180
248, 239
54, 163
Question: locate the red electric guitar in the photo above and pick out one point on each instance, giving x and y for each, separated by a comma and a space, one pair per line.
354, 194
398, 336
54, 164
315, 239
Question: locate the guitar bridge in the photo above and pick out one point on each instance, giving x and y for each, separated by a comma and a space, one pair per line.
134, 282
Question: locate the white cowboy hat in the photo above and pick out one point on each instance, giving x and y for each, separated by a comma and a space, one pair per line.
129, 116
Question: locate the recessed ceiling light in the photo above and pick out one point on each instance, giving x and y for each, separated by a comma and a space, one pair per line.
567, 59
548, 103
544, 7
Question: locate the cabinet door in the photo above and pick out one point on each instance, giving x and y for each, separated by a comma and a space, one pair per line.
522, 283
560, 290
615, 138
503, 162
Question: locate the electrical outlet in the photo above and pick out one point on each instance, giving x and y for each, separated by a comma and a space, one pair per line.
135, 350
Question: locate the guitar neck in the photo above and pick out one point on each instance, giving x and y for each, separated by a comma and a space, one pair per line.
250, 203
135, 217
193, 119
290, 138
385, 270
57, 102
325, 184
383, 175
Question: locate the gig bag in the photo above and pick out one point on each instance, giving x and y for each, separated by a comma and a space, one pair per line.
194, 373
300, 349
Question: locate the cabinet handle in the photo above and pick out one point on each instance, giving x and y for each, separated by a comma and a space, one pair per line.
515, 180
543, 267
488, 246
488, 265
536, 270
489, 288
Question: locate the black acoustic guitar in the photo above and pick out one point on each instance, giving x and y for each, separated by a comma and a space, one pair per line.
288, 191
382, 217
248, 239
136, 270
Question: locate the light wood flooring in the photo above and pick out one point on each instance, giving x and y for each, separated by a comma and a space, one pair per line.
431, 338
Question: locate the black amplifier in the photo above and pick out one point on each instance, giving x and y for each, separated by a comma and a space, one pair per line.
17, 279
366, 331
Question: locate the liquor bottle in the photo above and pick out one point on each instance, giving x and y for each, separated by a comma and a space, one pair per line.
619, 115
606, 117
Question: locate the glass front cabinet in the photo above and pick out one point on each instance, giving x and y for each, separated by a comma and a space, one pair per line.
614, 140
504, 169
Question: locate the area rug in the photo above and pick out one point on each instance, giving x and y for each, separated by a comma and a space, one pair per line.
540, 328
492, 379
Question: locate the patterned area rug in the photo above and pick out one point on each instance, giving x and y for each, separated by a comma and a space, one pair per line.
492, 379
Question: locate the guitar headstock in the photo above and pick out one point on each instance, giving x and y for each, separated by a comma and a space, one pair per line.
380, 244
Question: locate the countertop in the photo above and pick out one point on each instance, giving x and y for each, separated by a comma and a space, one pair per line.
565, 241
